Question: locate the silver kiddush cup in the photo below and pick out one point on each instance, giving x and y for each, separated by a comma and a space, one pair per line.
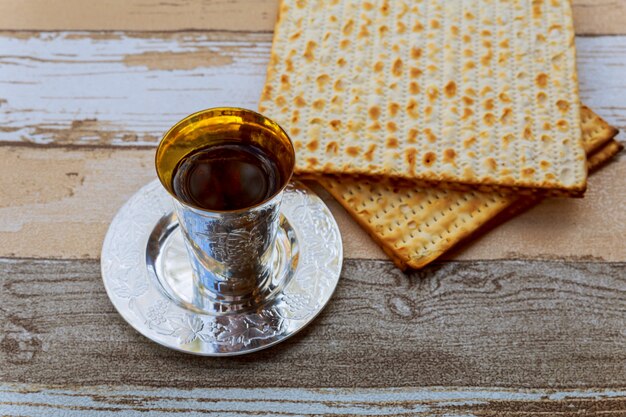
230, 251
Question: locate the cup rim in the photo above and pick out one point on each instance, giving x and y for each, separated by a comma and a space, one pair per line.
236, 211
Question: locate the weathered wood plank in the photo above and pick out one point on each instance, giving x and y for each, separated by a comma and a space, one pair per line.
120, 88
36, 400
58, 203
477, 324
127, 89
593, 17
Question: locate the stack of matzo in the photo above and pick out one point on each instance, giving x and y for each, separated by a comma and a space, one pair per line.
472, 95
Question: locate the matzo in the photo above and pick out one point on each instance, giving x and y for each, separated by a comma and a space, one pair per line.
478, 92
414, 226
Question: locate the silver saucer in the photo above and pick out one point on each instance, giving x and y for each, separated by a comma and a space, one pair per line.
147, 276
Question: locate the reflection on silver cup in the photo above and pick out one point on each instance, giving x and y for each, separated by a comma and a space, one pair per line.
230, 251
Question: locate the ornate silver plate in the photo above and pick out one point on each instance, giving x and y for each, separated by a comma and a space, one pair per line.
148, 276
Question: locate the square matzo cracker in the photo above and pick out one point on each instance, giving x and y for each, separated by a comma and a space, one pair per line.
476, 92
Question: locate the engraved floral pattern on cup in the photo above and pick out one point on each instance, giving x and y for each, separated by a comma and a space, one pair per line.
238, 243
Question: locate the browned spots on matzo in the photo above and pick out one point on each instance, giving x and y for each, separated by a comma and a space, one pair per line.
507, 116
318, 104
378, 66
309, 52
563, 106
430, 136
396, 69
374, 112
312, 161
542, 80
392, 142
412, 136
432, 93
415, 72
528, 172
393, 108
322, 80
299, 101
528, 132
384, 8
489, 119
312, 145
344, 44
411, 155
391, 126
491, 164
363, 32
335, 124
332, 147
348, 27
562, 125
353, 151
468, 101
280, 101
467, 113
416, 52
369, 154
414, 87
411, 108
374, 127
541, 97
429, 158
450, 89
469, 142
295, 36
449, 155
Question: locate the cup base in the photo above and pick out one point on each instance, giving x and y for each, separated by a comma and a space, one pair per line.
169, 264
146, 273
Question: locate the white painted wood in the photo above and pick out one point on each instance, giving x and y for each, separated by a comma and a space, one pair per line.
128, 88
120, 88
33, 400
602, 77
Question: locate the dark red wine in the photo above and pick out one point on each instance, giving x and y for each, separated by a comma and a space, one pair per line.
228, 176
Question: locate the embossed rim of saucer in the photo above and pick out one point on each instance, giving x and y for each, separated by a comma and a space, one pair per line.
140, 301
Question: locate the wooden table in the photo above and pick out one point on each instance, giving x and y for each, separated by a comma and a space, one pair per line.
529, 319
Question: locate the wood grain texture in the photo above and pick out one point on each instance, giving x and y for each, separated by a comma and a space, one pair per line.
593, 17
37, 400
58, 203
127, 89
477, 324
